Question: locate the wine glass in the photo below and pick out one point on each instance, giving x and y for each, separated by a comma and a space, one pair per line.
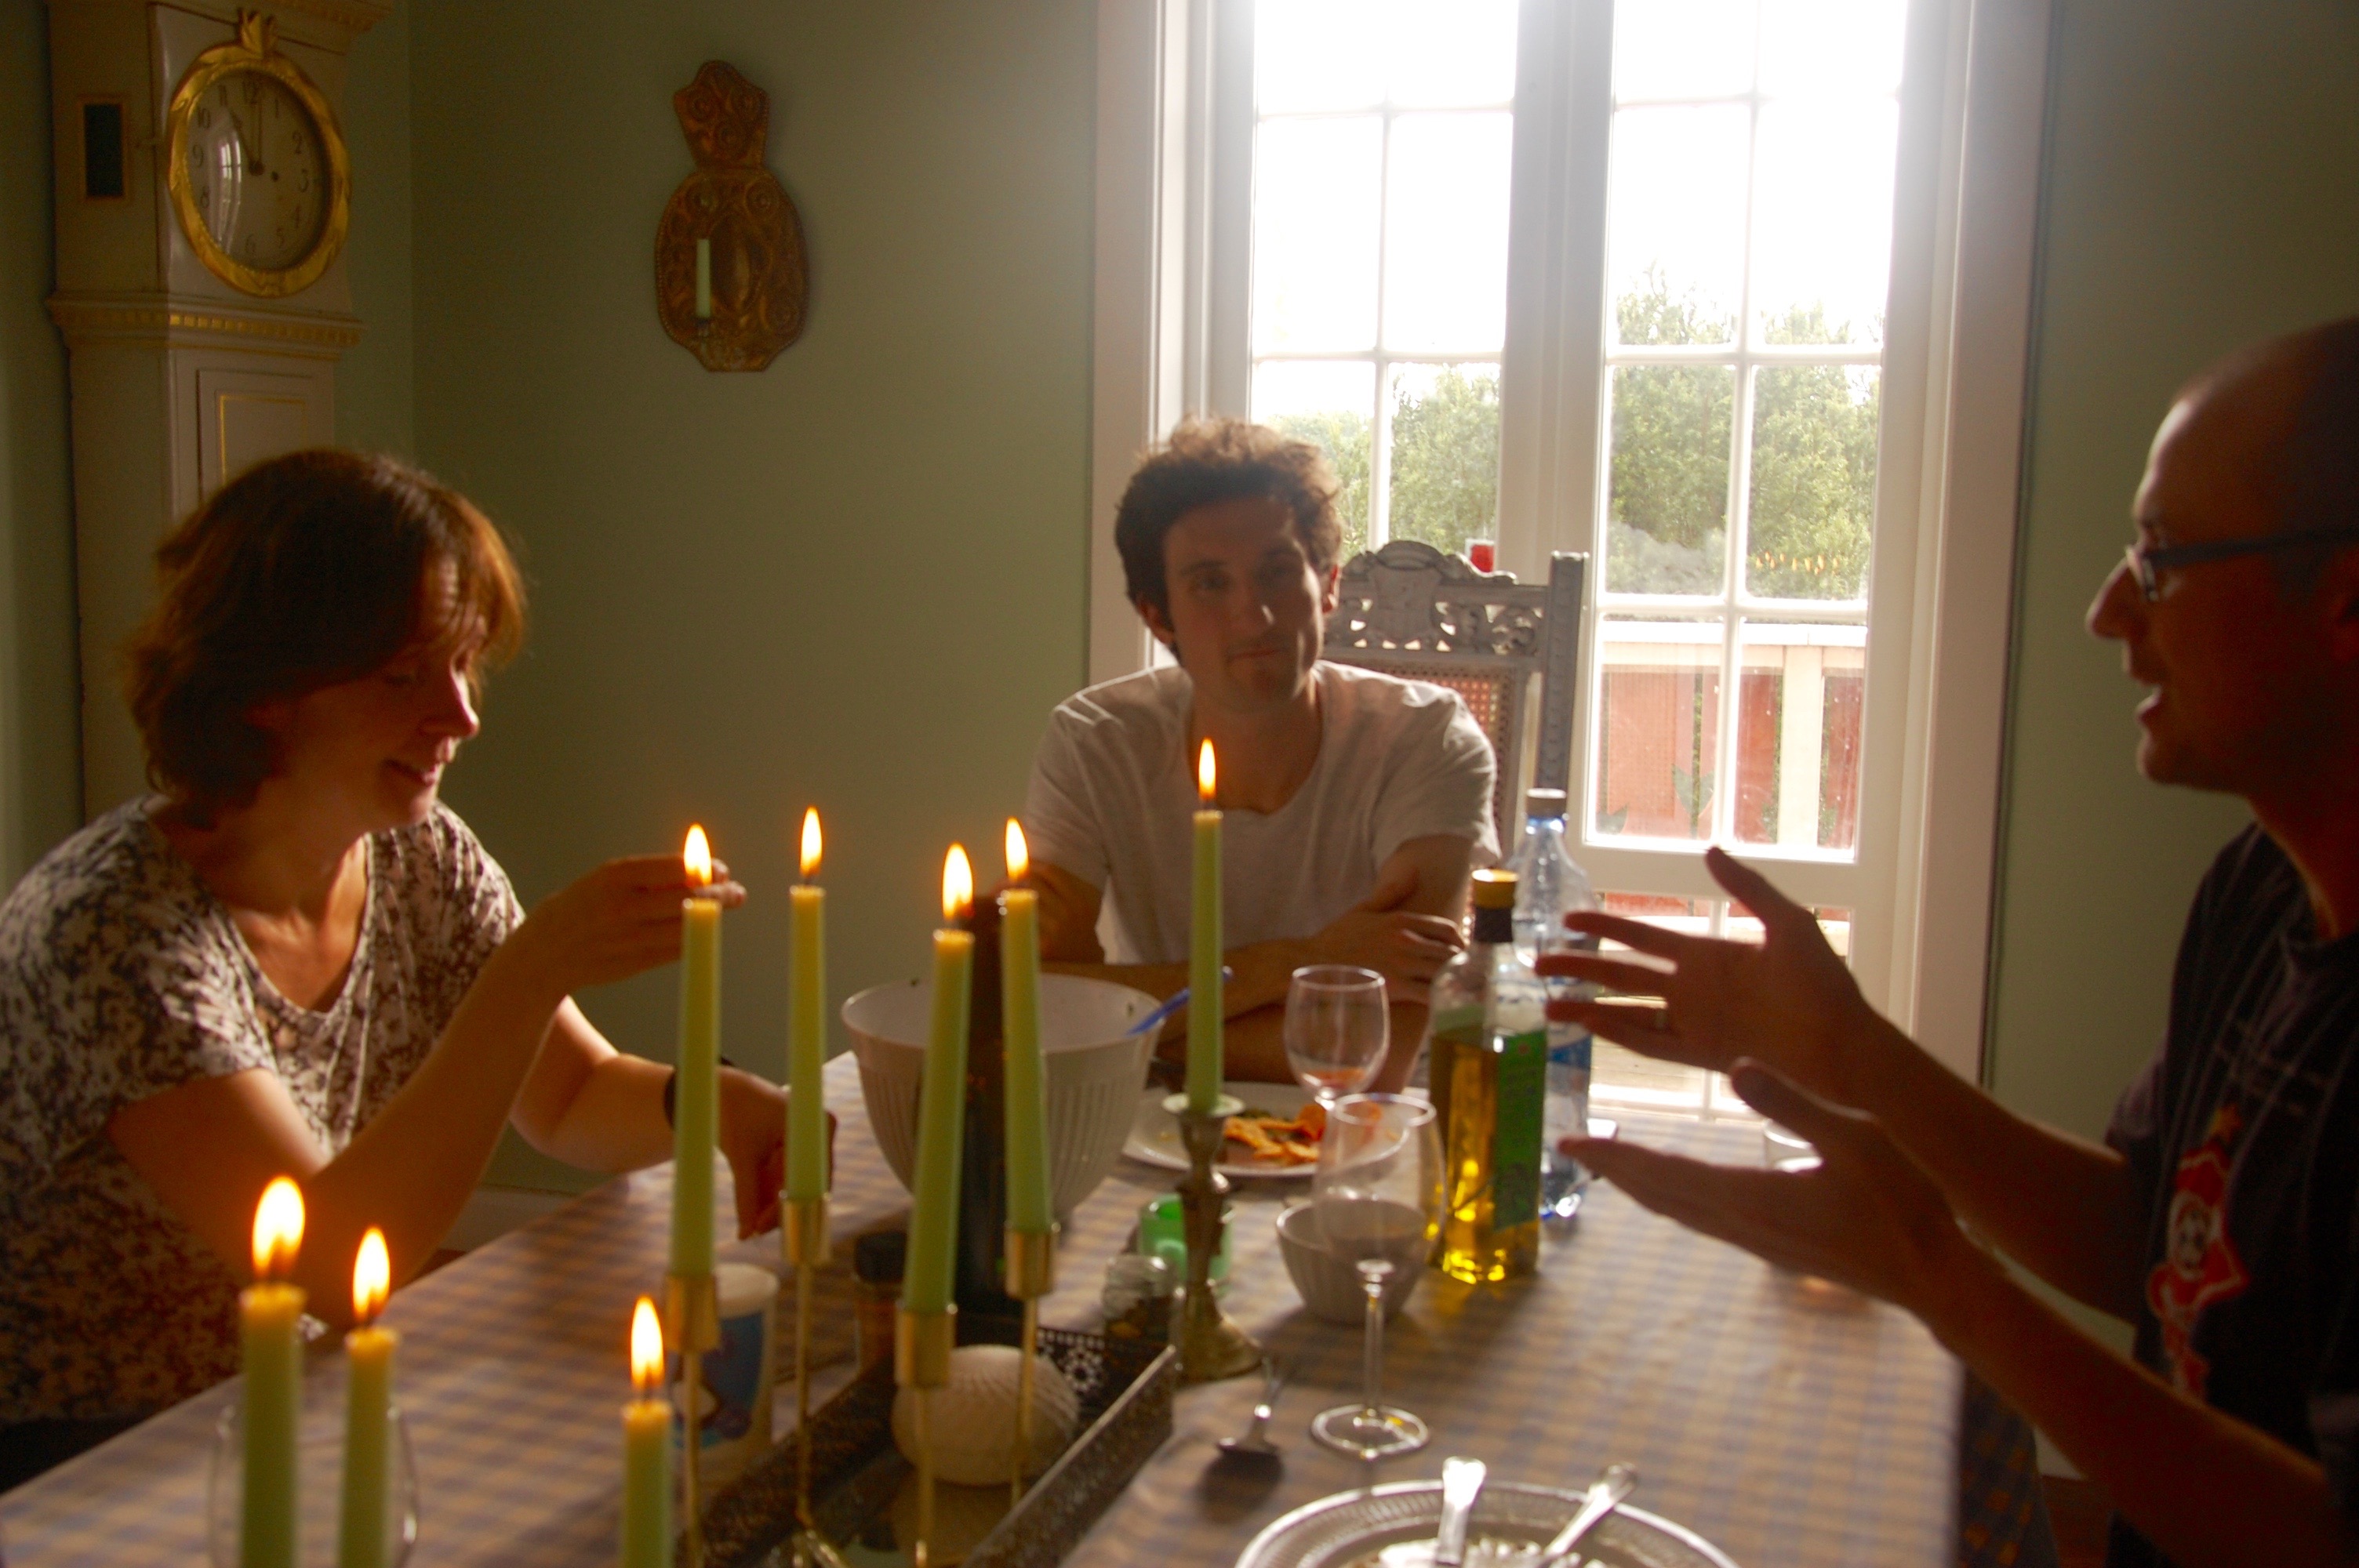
1378, 1193
1337, 1025
320, 1468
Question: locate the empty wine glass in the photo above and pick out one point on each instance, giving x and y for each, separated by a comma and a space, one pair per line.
1337, 1025
1379, 1194
320, 1467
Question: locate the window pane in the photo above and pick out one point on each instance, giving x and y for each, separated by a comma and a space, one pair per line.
1813, 47
1667, 516
1675, 217
1446, 234
1836, 923
1814, 502
1330, 404
1659, 727
1445, 455
1315, 54
1682, 49
1316, 188
1449, 52
1798, 735
1822, 221
1621, 1076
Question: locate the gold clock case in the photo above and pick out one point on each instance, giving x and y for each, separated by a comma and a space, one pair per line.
255, 49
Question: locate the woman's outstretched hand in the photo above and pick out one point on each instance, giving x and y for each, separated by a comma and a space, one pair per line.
1789, 1001
617, 921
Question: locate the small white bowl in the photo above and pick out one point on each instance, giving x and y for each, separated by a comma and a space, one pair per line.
1095, 1071
1327, 1281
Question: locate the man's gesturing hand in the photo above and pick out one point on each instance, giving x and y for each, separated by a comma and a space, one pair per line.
1408, 948
1866, 1218
1789, 1001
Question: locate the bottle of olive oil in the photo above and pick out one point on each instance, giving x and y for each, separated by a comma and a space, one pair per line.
1488, 1078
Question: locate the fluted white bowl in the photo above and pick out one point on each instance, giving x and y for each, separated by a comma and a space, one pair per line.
1094, 1070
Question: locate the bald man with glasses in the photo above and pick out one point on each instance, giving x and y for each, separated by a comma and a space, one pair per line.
2221, 1215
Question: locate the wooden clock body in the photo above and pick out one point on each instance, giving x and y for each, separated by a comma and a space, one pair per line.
179, 379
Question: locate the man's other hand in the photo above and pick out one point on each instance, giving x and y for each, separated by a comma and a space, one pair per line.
1406, 947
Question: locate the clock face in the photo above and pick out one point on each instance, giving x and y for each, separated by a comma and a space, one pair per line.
259, 170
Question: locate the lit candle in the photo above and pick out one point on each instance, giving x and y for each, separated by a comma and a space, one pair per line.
696, 1102
368, 1410
704, 280
807, 1027
646, 1449
270, 1311
1026, 1085
941, 1103
1204, 948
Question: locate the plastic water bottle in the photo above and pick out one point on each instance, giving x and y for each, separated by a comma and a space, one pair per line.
1551, 885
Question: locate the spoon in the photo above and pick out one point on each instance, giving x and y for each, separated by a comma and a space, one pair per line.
1462, 1482
1256, 1442
1614, 1483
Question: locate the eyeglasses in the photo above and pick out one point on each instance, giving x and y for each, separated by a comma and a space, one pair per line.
2147, 564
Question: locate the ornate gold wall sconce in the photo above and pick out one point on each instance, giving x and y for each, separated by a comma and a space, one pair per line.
731, 281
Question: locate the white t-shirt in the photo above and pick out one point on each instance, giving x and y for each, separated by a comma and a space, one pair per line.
1114, 796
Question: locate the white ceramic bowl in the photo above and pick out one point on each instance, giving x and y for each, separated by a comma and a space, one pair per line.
1095, 1070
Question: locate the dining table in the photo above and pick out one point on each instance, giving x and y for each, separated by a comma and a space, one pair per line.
1786, 1420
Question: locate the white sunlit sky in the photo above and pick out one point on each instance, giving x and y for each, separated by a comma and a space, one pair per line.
1382, 158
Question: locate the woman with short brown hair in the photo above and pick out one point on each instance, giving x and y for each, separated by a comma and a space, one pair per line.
294, 959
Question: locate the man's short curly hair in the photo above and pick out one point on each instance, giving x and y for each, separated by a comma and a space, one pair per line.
1205, 462
305, 570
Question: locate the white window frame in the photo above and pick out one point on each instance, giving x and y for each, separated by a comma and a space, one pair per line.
1172, 215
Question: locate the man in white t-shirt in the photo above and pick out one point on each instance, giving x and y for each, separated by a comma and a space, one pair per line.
1356, 803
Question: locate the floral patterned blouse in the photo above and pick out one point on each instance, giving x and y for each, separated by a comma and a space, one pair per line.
121, 977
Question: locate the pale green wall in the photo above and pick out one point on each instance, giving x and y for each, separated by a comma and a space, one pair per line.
375, 396
40, 719
854, 578
2203, 192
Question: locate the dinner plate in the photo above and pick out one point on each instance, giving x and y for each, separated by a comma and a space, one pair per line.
1154, 1131
1510, 1524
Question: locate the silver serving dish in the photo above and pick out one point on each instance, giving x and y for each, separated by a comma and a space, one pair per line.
1511, 1522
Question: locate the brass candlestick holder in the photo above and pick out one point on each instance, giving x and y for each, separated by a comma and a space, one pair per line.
921, 1361
1031, 1274
692, 1326
803, 1234
1211, 1346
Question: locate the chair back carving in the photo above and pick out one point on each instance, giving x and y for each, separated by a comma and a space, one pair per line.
1408, 609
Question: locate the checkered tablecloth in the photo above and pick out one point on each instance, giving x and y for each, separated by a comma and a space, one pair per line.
1789, 1423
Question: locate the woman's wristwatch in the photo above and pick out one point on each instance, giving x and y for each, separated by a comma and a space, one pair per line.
671, 1093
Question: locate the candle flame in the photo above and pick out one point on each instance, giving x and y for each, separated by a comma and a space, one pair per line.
277, 1228
811, 842
957, 885
1019, 857
697, 856
647, 1350
371, 1278
1204, 772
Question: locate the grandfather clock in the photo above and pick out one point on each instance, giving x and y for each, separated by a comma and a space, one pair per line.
204, 192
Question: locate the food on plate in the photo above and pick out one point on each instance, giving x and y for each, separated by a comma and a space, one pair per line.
1271, 1139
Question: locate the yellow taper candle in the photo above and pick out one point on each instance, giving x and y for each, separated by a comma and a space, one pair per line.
646, 1449
807, 1027
1204, 948
696, 1102
363, 1535
941, 1103
270, 1311
704, 280
1027, 1083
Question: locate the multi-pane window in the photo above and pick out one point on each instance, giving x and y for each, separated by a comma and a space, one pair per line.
1744, 232
1381, 151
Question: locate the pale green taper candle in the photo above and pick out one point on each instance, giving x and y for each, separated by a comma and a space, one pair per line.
270, 1314
1026, 1085
807, 1027
647, 1450
1204, 1002
362, 1528
696, 1100
941, 1105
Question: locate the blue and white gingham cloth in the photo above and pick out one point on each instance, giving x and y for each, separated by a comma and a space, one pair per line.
1788, 1424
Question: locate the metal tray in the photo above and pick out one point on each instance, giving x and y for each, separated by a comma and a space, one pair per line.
1509, 1524
1124, 1387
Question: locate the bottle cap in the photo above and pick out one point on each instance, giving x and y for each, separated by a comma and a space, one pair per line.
1495, 890
1544, 802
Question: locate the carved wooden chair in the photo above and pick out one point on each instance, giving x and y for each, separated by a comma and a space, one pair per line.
1411, 610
